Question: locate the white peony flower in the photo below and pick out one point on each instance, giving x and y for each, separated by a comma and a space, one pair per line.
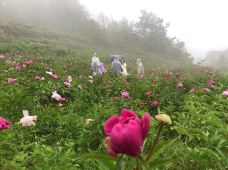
28, 120
69, 79
49, 72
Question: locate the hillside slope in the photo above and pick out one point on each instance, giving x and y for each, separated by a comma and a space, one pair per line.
69, 23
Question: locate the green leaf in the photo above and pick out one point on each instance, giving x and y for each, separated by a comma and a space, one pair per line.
208, 152
102, 158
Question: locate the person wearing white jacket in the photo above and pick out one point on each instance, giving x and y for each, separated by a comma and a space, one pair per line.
140, 68
124, 68
94, 64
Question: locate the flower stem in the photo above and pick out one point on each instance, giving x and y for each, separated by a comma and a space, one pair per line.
118, 161
155, 142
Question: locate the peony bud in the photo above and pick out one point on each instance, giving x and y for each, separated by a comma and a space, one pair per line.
163, 118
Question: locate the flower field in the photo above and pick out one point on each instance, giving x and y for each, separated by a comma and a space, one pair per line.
173, 118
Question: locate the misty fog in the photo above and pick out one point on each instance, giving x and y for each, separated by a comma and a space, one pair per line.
148, 35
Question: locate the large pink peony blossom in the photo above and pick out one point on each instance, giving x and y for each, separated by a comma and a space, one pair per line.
126, 133
4, 124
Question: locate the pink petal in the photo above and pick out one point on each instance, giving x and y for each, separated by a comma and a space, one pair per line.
125, 113
145, 125
127, 138
110, 123
112, 152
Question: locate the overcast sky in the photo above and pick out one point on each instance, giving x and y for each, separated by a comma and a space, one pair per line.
201, 24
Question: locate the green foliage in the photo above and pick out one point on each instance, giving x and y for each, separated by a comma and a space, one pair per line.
71, 137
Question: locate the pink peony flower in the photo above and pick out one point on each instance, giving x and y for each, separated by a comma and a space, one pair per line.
28, 63
126, 133
193, 90
67, 84
5, 71
211, 82
4, 124
69, 79
148, 94
206, 90
18, 67
180, 85
225, 92
55, 76
28, 120
154, 104
125, 95
56, 96
11, 80
90, 81
39, 78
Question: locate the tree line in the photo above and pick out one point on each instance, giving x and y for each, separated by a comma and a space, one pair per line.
70, 18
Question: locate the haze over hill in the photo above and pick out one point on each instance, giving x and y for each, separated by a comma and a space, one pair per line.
68, 21
217, 59
200, 24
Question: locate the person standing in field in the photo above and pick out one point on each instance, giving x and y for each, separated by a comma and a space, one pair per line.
102, 68
124, 68
140, 68
97, 66
116, 66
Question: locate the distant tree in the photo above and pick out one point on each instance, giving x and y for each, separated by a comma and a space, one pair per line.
103, 20
149, 24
